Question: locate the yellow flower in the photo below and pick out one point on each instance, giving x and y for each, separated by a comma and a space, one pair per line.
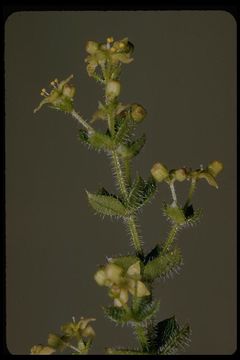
80, 328
42, 350
159, 172
61, 97
121, 283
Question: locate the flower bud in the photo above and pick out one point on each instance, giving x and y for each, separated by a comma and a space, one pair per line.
100, 277
215, 167
113, 273
159, 172
54, 341
113, 88
69, 91
92, 47
180, 175
88, 331
138, 113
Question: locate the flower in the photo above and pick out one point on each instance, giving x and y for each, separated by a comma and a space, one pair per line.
114, 52
61, 97
42, 350
80, 328
159, 172
209, 174
121, 283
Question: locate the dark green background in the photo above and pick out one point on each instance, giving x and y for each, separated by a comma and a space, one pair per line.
184, 73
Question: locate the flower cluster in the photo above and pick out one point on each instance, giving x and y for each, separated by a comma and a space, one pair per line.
42, 350
79, 329
161, 173
112, 53
60, 97
122, 282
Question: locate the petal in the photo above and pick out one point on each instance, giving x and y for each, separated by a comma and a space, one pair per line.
88, 332
123, 296
63, 82
207, 176
84, 322
141, 289
100, 277
134, 270
117, 303
113, 273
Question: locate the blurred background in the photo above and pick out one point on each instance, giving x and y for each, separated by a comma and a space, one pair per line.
184, 74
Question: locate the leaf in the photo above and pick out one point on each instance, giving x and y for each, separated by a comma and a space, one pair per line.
163, 331
97, 140
141, 192
152, 254
117, 314
179, 338
192, 216
125, 261
144, 310
107, 205
101, 141
123, 127
162, 265
136, 146
174, 213
83, 136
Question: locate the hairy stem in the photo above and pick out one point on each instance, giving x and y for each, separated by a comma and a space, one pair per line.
129, 220
82, 121
170, 238
174, 196
127, 170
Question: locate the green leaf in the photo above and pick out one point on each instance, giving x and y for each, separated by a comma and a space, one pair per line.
107, 205
163, 265
136, 146
117, 315
192, 216
123, 128
130, 150
178, 338
141, 192
101, 141
174, 213
125, 261
163, 332
144, 310
83, 136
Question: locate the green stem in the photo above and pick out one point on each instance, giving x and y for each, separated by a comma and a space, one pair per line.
174, 196
191, 191
170, 238
127, 168
130, 220
82, 121
72, 347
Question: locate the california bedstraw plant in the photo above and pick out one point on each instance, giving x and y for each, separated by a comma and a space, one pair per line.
129, 279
